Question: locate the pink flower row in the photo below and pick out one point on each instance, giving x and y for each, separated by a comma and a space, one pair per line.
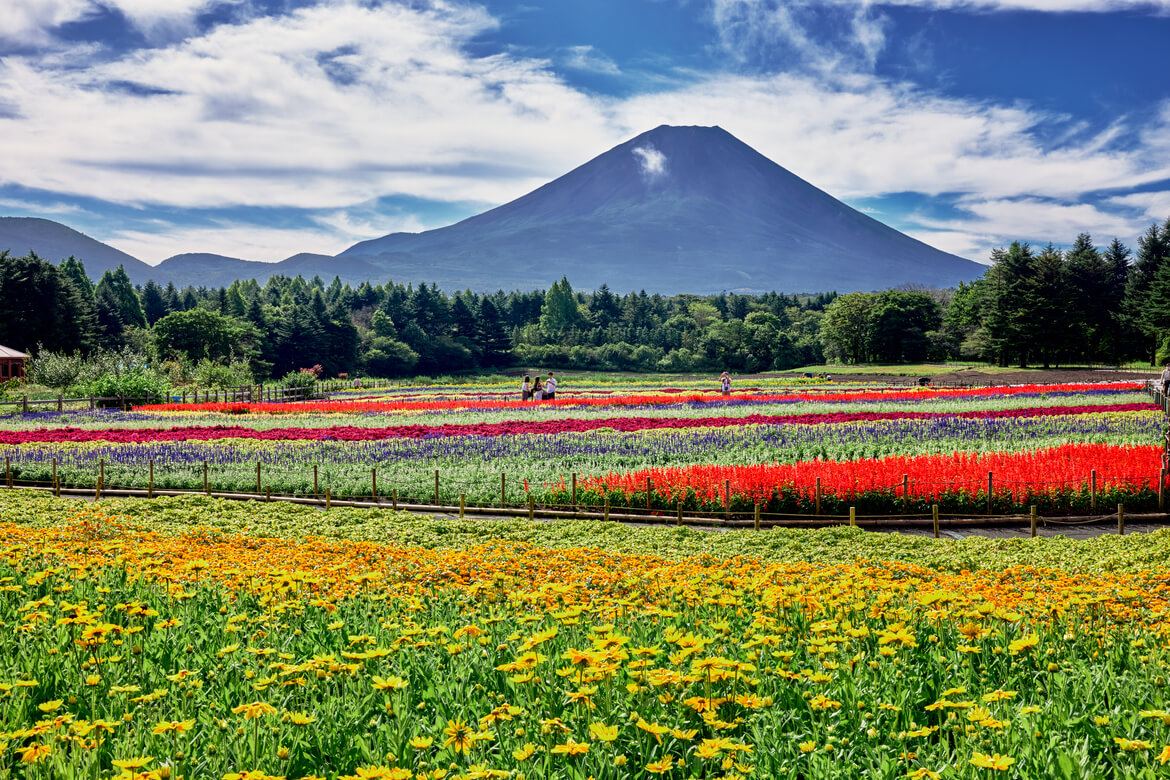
567, 425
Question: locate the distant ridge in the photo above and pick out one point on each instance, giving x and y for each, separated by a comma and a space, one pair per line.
55, 242
673, 210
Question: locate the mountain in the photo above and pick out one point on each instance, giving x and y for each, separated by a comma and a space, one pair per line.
676, 209
55, 242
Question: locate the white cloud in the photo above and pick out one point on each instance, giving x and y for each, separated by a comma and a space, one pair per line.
1154, 206
863, 137
329, 106
29, 21
588, 58
247, 242
651, 162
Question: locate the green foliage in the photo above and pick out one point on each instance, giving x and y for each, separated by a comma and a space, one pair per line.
210, 373
134, 382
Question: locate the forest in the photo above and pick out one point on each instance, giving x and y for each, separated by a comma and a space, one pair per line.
1032, 307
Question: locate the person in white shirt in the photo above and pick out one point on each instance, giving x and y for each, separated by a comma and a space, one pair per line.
1165, 379
550, 387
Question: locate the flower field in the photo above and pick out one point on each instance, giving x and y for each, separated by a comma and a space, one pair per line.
1063, 448
201, 638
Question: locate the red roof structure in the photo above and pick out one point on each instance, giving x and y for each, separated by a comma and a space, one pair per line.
11, 363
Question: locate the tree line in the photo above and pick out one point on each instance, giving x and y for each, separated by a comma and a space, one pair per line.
1031, 307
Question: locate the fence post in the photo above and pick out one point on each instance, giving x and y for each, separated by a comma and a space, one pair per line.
756, 515
905, 493
934, 518
1120, 519
60, 402
26, 403
503, 489
374, 484
150, 484
257, 476
679, 513
1093, 489
91, 402
394, 499
574, 491
1032, 512
818, 499
206, 483
853, 516
531, 508
989, 478
436, 487
315, 491
462, 504
328, 498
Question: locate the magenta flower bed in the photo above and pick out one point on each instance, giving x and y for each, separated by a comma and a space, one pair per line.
567, 425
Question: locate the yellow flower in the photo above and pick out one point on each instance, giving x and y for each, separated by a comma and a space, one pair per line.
34, 753
301, 718
923, 772
173, 725
50, 706
132, 763
421, 743
660, 767
524, 753
807, 747
571, 748
1164, 756
459, 736
994, 761
253, 710
1132, 744
1023, 643
389, 683
602, 732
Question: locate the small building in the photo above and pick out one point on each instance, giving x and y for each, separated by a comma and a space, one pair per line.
11, 364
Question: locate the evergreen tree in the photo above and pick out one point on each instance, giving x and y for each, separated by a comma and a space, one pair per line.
1013, 305
493, 341
74, 269
41, 307
115, 289
1153, 252
154, 303
1116, 337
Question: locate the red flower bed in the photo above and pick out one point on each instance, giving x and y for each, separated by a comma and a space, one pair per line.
567, 425
364, 407
1019, 476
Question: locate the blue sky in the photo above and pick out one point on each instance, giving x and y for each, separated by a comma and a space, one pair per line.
262, 128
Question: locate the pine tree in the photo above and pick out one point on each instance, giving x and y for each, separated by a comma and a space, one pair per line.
154, 304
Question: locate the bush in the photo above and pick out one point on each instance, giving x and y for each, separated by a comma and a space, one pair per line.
137, 383
210, 373
57, 370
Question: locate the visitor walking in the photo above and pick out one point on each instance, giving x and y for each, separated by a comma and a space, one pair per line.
725, 383
526, 389
550, 387
1165, 379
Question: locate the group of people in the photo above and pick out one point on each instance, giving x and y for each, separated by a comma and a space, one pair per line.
538, 390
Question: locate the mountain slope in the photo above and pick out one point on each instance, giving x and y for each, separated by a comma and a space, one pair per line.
55, 242
676, 209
